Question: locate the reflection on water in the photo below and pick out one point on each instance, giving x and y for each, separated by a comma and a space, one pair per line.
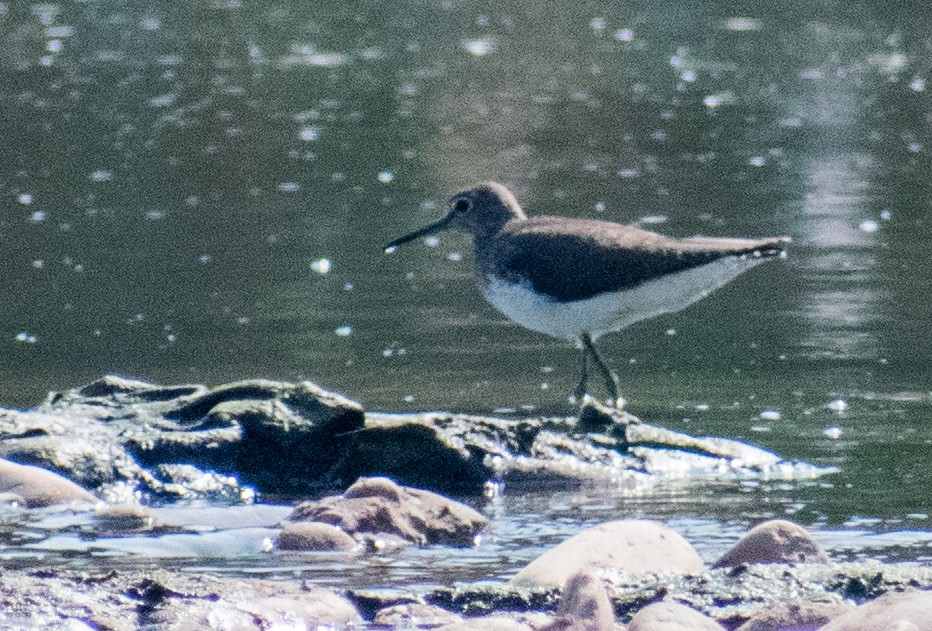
171, 178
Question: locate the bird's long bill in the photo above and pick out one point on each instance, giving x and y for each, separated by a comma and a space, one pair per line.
437, 226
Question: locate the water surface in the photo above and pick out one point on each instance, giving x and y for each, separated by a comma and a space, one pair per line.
200, 192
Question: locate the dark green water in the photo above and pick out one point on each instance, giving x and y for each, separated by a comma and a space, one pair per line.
172, 175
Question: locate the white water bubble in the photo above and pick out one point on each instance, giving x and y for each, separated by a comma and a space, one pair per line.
100, 176
309, 134
757, 161
742, 24
838, 405
455, 257
478, 47
770, 415
322, 266
25, 199
344, 331
26, 337
163, 100
386, 176
918, 85
624, 35
834, 432
431, 241
868, 225
37, 216
288, 187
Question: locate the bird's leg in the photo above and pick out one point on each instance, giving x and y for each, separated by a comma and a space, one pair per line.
611, 379
582, 386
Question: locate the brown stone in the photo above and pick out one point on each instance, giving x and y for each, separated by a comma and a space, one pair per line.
584, 606
379, 505
811, 614
669, 616
314, 536
632, 546
897, 611
775, 541
38, 487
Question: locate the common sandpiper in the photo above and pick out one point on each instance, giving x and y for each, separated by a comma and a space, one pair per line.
578, 279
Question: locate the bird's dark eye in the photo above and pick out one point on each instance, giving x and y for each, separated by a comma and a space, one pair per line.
461, 205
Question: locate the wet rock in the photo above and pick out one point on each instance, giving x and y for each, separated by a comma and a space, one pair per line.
458, 453
909, 611
413, 616
669, 616
775, 541
130, 518
379, 505
171, 602
186, 441
800, 616
584, 606
315, 536
190, 441
631, 546
38, 487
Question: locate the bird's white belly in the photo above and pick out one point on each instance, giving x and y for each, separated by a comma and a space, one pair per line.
611, 311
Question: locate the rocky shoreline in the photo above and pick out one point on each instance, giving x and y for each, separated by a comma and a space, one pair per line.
375, 482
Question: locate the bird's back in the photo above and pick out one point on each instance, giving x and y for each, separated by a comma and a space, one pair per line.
576, 259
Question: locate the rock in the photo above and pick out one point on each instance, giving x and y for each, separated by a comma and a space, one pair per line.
38, 487
173, 603
669, 616
630, 546
775, 541
499, 622
907, 611
378, 505
128, 518
413, 616
190, 441
801, 616
315, 536
584, 606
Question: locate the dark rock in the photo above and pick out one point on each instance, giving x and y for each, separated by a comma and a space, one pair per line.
37, 487
669, 616
631, 546
315, 536
186, 441
774, 541
297, 439
378, 505
125, 519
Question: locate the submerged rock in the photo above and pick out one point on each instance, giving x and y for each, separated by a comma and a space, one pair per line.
379, 506
190, 441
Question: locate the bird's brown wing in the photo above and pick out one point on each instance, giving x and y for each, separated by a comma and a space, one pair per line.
571, 260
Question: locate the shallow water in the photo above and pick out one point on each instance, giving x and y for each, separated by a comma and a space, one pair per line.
201, 193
